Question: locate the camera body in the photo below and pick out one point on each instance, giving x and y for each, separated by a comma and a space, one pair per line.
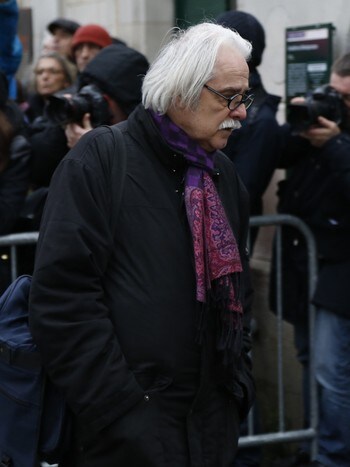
324, 101
62, 109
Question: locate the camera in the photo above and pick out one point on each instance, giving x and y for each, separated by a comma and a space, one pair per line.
62, 109
324, 101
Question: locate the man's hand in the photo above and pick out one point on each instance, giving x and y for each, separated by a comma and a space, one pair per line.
74, 131
319, 135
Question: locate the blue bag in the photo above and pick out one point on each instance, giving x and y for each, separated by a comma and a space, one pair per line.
34, 418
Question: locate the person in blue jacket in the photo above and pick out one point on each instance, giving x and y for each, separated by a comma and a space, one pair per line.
10, 45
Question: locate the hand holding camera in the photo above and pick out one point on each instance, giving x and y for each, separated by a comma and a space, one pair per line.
65, 109
319, 134
317, 116
75, 131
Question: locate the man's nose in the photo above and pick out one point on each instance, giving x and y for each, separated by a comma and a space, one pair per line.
239, 112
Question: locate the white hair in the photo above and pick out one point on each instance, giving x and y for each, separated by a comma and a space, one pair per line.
186, 63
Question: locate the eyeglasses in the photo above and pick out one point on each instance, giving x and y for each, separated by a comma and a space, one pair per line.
50, 71
234, 101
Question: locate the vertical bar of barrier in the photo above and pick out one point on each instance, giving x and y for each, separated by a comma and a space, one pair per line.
279, 292
307, 433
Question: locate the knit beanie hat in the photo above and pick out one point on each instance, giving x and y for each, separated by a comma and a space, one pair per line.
249, 28
93, 34
118, 71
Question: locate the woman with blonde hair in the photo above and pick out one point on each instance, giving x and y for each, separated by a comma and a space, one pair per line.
52, 73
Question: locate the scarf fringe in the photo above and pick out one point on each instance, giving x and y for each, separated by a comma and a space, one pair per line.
228, 314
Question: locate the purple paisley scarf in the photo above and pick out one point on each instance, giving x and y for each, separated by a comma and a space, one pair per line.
217, 260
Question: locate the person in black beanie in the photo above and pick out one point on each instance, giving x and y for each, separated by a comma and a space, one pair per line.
117, 71
254, 149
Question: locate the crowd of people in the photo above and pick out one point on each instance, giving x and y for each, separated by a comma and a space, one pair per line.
82, 78
156, 316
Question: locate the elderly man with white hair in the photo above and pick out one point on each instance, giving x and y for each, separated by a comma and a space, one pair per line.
145, 326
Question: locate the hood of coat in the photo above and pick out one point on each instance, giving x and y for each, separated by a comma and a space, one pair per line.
118, 71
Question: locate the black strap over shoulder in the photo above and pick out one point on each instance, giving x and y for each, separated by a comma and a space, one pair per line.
118, 171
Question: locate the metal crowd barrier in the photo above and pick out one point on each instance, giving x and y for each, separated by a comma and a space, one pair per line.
282, 435
13, 241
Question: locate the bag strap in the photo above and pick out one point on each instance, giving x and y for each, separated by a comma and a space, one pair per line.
118, 172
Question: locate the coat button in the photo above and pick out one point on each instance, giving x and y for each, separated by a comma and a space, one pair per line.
146, 397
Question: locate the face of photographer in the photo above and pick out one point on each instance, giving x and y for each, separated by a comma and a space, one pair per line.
327, 129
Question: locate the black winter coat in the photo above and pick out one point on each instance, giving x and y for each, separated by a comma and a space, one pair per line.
318, 191
116, 319
254, 149
14, 184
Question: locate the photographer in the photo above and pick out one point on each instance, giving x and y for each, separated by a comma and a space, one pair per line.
317, 190
117, 72
109, 89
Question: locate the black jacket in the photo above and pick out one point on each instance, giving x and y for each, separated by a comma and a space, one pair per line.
116, 319
14, 184
317, 190
254, 148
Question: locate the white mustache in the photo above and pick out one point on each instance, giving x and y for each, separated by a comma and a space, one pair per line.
231, 124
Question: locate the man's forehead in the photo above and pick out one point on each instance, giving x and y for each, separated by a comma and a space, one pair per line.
231, 58
231, 69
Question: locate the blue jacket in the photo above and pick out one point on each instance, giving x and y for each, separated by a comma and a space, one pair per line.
10, 45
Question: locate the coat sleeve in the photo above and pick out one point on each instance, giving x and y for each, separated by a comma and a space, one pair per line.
68, 317
335, 155
14, 184
49, 146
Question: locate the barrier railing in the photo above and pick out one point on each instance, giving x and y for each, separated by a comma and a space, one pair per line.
282, 435
13, 241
